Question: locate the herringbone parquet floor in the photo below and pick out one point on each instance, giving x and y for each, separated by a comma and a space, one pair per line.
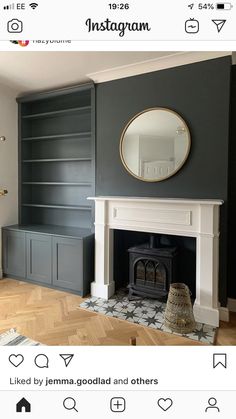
53, 318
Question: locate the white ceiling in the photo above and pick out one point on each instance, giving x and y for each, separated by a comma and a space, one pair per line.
31, 71
27, 71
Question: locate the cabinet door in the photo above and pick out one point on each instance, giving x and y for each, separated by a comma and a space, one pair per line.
39, 258
68, 263
14, 261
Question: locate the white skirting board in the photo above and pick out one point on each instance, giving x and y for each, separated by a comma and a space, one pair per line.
224, 314
232, 304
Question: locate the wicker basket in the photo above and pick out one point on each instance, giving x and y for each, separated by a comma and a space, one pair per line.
179, 312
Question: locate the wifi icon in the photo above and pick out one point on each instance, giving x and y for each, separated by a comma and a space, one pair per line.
33, 5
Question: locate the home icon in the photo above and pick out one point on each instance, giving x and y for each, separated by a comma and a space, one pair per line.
23, 406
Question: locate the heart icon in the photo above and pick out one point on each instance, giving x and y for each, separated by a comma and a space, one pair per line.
16, 360
165, 404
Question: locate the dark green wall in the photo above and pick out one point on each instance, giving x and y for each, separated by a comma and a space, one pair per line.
200, 93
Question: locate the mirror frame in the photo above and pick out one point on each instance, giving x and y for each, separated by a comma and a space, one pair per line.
123, 135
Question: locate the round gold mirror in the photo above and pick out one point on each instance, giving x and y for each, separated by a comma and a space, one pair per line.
155, 144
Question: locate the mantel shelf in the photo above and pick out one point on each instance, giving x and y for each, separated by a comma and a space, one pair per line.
57, 160
78, 135
176, 201
66, 207
57, 113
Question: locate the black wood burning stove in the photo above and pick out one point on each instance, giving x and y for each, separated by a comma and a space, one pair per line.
152, 268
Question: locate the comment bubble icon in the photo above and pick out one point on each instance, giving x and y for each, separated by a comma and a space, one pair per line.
41, 361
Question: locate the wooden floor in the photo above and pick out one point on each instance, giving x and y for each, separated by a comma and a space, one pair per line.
54, 318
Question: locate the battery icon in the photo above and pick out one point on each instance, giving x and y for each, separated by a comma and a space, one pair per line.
224, 6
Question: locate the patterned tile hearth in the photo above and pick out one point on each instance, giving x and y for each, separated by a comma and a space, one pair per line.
146, 312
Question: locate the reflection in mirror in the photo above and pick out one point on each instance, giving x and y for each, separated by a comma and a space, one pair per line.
155, 144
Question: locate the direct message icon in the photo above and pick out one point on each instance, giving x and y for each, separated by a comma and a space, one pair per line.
219, 24
220, 360
67, 358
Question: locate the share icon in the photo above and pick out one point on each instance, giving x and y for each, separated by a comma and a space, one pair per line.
219, 24
67, 358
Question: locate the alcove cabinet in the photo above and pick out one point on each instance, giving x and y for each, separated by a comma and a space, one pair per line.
56, 175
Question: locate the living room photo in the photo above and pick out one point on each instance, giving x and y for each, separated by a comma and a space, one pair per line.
117, 198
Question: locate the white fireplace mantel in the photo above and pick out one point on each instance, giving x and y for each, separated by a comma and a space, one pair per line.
182, 217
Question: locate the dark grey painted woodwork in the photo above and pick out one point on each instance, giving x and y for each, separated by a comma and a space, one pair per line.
39, 258
57, 148
57, 166
56, 175
68, 263
14, 253
88, 263
53, 230
200, 93
57, 194
64, 171
59, 257
20, 156
59, 217
45, 101
62, 124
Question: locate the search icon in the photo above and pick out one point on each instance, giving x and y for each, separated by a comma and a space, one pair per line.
70, 404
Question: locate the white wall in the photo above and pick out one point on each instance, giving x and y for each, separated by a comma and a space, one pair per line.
234, 57
8, 160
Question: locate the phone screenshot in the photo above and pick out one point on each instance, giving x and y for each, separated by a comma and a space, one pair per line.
117, 209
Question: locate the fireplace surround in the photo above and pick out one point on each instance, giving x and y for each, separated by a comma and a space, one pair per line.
183, 217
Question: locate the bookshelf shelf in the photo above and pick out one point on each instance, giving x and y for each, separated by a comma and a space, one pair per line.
56, 113
77, 135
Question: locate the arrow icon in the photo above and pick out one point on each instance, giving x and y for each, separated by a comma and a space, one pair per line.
67, 358
219, 24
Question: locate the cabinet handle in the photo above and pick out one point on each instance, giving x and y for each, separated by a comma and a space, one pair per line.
3, 192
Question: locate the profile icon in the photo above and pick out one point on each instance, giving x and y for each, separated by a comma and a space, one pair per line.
212, 402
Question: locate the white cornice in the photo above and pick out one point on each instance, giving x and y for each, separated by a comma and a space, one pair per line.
161, 63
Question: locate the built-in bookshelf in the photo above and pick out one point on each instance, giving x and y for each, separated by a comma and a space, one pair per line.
57, 157
53, 244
